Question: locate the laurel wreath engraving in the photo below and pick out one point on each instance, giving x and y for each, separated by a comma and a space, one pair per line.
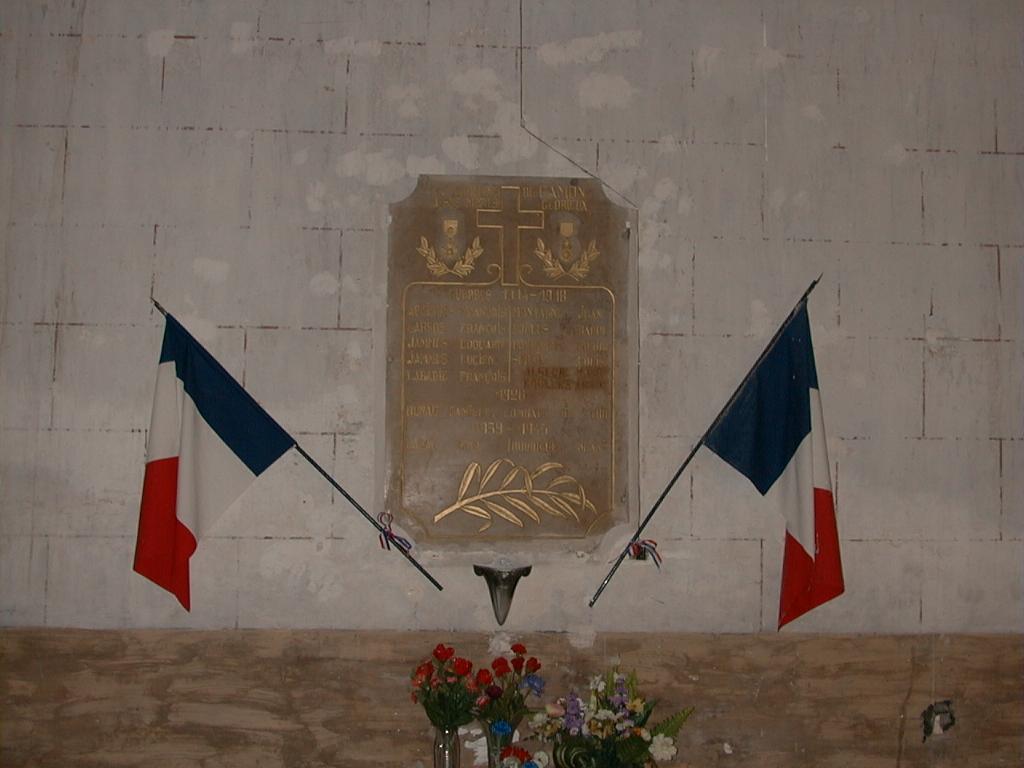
462, 268
518, 494
554, 269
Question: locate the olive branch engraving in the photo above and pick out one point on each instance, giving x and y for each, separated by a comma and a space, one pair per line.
461, 268
554, 269
518, 493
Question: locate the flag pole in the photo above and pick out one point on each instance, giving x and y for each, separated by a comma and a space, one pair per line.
380, 528
699, 443
376, 524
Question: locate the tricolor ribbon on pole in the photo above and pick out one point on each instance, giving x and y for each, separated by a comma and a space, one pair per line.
388, 537
644, 548
771, 430
208, 441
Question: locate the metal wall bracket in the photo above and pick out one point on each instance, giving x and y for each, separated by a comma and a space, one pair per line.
501, 583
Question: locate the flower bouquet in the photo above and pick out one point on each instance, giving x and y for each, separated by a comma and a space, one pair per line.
446, 689
503, 691
610, 728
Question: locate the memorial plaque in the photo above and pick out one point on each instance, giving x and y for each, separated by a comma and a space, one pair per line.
511, 368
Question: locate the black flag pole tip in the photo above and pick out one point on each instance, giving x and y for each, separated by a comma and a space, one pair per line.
811, 287
158, 306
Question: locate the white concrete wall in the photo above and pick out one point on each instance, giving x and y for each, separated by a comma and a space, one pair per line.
235, 160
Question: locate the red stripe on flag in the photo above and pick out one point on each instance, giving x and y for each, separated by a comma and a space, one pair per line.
807, 582
164, 545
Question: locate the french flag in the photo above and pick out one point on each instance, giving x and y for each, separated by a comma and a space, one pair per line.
774, 435
208, 441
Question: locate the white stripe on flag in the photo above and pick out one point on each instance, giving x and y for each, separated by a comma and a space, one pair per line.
165, 423
822, 471
210, 476
792, 494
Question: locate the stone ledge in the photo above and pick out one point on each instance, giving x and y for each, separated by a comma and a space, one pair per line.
74, 697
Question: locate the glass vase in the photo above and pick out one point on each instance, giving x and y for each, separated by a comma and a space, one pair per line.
447, 750
497, 740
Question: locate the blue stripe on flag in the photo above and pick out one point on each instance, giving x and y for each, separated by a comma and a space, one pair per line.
231, 412
771, 416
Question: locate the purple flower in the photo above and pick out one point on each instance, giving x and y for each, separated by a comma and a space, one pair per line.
573, 714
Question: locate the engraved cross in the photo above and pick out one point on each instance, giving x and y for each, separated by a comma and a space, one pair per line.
509, 220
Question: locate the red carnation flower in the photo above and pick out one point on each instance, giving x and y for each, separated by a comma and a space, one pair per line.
517, 663
494, 691
500, 666
519, 649
518, 753
532, 665
483, 677
443, 652
462, 666
426, 669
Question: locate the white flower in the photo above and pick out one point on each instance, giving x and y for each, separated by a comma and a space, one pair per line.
540, 757
662, 748
604, 714
597, 683
645, 734
538, 720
